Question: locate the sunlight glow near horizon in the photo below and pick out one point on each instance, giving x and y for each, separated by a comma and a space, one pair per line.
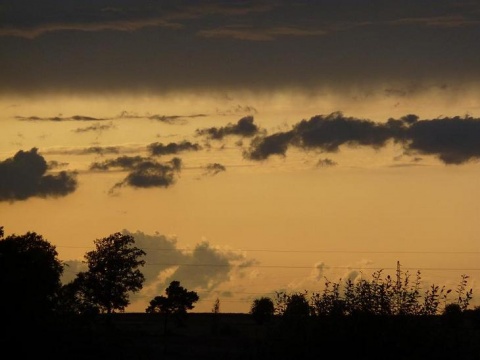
228, 127
365, 202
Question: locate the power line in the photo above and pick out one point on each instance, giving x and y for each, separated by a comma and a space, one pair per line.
310, 267
308, 251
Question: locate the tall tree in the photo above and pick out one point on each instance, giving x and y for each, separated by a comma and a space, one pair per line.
30, 276
113, 272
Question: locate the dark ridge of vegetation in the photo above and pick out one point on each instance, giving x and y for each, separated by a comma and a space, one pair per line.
381, 318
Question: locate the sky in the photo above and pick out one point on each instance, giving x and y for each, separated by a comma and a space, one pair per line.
249, 147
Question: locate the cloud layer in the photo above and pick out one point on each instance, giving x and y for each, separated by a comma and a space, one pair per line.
107, 46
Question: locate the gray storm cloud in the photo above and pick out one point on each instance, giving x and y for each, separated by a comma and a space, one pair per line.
25, 175
453, 140
160, 47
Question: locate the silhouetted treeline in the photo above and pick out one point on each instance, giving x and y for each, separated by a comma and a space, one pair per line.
379, 318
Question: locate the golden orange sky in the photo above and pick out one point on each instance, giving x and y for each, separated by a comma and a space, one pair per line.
337, 140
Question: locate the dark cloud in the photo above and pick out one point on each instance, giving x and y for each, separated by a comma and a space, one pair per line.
142, 172
214, 169
453, 140
326, 163
25, 175
124, 162
60, 118
173, 118
172, 148
101, 150
331, 131
169, 119
105, 47
238, 109
241, 32
53, 164
244, 127
152, 174
263, 147
95, 127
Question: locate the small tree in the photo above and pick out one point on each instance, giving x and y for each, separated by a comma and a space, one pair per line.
215, 315
177, 302
262, 310
113, 272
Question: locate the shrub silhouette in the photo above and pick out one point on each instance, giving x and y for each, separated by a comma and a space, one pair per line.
378, 296
262, 310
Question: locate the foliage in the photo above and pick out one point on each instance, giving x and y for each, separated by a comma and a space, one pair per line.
30, 274
113, 272
378, 296
177, 301
262, 310
295, 305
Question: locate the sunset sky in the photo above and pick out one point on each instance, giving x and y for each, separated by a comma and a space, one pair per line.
248, 146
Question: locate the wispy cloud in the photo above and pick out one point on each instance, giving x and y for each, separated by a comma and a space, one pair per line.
214, 169
60, 118
95, 128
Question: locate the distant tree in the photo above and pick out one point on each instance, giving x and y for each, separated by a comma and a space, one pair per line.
297, 306
177, 302
215, 316
216, 306
30, 276
262, 310
113, 272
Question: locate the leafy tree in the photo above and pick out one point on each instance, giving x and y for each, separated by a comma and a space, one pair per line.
113, 272
262, 310
30, 275
77, 299
177, 302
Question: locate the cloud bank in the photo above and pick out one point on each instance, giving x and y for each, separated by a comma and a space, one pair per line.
190, 45
453, 140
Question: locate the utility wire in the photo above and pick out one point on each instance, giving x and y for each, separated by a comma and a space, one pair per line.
306, 251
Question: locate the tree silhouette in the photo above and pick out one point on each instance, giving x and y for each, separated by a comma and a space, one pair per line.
262, 310
30, 274
113, 272
177, 302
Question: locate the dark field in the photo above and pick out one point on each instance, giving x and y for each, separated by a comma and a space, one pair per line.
237, 336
